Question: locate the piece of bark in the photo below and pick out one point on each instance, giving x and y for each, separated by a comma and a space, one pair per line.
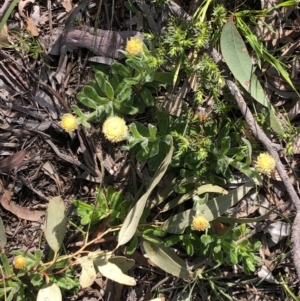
100, 42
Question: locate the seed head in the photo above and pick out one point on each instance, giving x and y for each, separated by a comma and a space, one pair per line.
265, 164
19, 262
200, 223
134, 46
68, 122
115, 129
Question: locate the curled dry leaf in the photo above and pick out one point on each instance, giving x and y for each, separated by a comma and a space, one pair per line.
66, 4
19, 211
21, 6
12, 161
31, 27
3, 35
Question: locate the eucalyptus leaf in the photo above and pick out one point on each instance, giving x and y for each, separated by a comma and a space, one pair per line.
132, 219
49, 292
124, 263
88, 273
167, 260
113, 272
56, 223
239, 62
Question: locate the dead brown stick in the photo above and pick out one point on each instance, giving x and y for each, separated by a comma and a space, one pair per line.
260, 135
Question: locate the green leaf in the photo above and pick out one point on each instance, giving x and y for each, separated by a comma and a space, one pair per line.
239, 62
211, 210
136, 129
147, 97
56, 223
164, 77
77, 111
113, 272
123, 91
3, 239
163, 121
154, 239
86, 101
172, 240
104, 85
225, 145
37, 279
133, 244
132, 219
120, 69
152, 131
91, 93
167, 260
50, 292
7, 268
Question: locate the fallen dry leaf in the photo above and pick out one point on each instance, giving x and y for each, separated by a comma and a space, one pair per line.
21, 6
66, 4
19, 211
12, 161
31, 27
4, 35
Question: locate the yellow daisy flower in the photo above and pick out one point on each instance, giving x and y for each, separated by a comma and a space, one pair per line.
265, 164
200, 223
19, 262
68, 122
134, 46
115, 129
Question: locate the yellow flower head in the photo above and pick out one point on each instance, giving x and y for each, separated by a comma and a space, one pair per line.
200, 223
265, 164
134, 46
115, 129
68, 122
19, 262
